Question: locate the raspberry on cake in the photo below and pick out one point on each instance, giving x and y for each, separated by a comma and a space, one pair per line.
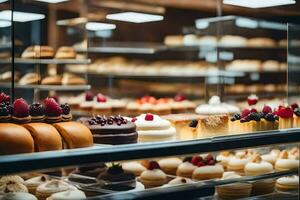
285, 114
4, 98
252, 100
102, 107
37, 112
66, 115
53, 111
21, 111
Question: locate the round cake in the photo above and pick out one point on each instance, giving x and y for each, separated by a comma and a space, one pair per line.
111, 130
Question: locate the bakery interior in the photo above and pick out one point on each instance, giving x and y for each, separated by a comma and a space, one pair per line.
144, 99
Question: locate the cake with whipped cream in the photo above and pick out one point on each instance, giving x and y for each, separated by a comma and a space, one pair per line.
152, 128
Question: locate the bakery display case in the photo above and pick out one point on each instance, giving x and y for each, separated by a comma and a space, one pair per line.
96, 108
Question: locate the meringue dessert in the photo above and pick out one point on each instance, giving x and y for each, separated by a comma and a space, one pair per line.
186, 168
154, 176
169, 165
287, 183
285, 163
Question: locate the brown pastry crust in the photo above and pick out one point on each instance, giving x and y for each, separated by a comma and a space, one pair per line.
15, 139
65, 53
52, 80
46, 137
38, 52
75, 134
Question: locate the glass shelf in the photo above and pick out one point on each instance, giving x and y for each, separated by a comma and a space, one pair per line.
49, 87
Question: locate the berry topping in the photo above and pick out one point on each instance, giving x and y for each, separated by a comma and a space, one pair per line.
89, 96
36, 109
56, 98
4, 98
245, 113
297, 112
133, 119
270, 117
235, 117
285, 112
200, 164
253, 110
188, 159
254, 116
209, 157
148, 99
252, 100
20, 108
153, 165
65, 108
101, 98
196, 160
267, 109
211, 162
4, 111
102, 120
193, 123
149, 117
294, 105
245, 119
179, 97
52, 108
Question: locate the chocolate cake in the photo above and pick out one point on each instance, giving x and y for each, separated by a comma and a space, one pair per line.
111, 130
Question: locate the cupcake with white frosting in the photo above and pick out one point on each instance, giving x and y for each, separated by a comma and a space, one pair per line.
152, 128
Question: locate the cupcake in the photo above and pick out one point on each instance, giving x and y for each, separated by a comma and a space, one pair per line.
18, 196
285, 117
21, 111
284, 163
66, 112
169, 165
152, 128
68, 195
153, 176
51, 187
53, 111
102, 107
5, 114
271, 157
37, 112
134, 167
33, 183
224, 157
88, 104
207, 168
287, 183
186, 168
111, 130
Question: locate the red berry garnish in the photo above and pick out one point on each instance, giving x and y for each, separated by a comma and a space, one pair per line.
153, 165
179, 97
4, 98
133, 119
200, 164
149, 117
56, 98
267, 109
52, 108
196, 160
252, 100
245, 113
253, 110
20, 108
101, 98
89, 96
209, 157
285, 112
36, 109
211, 162
294, 105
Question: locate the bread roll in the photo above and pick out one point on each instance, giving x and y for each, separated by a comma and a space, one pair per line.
74, 134
38, 52
46, 137
15, 139
65, 53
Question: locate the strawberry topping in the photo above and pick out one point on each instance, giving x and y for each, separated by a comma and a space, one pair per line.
149, 117
196, 160
200, 164
179, 98
20, 108
266, 109
253, 110
209, 157
4, 98
153, 165
52, 108
245, 113
101, 98
89, 96
252, 100
285, 112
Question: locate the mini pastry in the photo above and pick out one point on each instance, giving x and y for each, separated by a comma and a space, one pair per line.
102, 107
224, 158
33, 183
285, 117
45, 136
237, 163
207, 169
70, 79
65, 53
11, 179
261, 42
154, 176
232, 41
284, 163
21, 111
258, 167
287, 183
29, 79
88, 104
234, 191
169, 165
68, 195
294, 153
135, 167
15, 139
272, 156
7, 76
66, 115
37, 112
38, 52
133, 108
186, 168
5, 112
118, 106
18, 196
111, 130
74, 134
117, 179
152, 128
177, 105
51, 187
296, 118
53, 111
52, 80
10, 184
214, 125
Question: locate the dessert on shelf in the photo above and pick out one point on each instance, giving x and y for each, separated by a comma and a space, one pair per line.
135, 167
285, 163
38, 52
65, 53
20, 111
102, 106
285, 114
170, 165
287, 183
30, 79
153, 176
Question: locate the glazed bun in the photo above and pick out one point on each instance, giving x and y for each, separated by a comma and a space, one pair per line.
15, 139
46, 137
74, 134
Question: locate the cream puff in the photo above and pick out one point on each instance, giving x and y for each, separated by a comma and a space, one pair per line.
258, 167
224, 158
134, 167
154, 176
285, 163
186, 168
169, 165
272, 156
237, 163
